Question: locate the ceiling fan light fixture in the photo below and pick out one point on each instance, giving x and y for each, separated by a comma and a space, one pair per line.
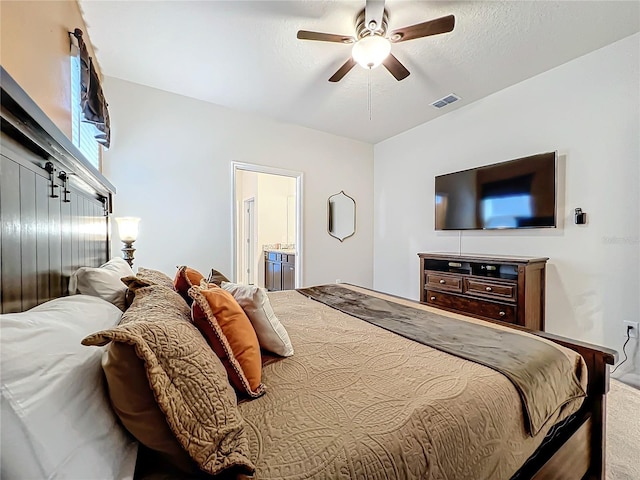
371, 50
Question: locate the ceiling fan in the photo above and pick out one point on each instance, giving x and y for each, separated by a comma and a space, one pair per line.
372, 45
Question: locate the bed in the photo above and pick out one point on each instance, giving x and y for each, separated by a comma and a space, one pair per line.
362, 402
355, 373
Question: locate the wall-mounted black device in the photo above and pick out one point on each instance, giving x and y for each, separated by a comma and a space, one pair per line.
581, 217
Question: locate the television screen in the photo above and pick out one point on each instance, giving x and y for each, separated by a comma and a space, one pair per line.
515, 194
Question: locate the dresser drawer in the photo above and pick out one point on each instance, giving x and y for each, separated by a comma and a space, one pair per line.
488, 289
439, 281
481, 308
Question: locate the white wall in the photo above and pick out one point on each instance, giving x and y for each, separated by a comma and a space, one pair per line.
273, 191
588, 110
171, 163
35, 50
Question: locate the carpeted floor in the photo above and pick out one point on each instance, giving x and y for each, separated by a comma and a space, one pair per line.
623, 432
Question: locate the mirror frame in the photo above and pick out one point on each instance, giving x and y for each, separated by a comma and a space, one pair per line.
330, 219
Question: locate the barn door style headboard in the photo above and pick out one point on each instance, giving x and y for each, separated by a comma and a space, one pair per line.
54, 205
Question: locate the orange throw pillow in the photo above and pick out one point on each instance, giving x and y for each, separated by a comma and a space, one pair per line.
186, 277
228, 330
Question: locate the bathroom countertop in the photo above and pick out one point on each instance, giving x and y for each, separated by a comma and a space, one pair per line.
281, 250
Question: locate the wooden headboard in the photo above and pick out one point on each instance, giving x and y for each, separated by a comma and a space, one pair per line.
47, 231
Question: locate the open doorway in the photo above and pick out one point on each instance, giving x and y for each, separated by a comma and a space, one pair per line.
267, 232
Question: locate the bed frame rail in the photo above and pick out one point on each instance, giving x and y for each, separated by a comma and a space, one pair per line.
591, 436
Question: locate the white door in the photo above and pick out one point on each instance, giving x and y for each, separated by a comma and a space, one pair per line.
249, 242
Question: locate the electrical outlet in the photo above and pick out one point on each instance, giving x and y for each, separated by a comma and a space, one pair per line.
634, 329
340, 281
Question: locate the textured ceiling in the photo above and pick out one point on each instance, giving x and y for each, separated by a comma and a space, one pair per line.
245, 55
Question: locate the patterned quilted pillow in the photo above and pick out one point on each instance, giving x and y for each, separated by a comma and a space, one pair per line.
154, 277
157, 302
144, 278
169, 389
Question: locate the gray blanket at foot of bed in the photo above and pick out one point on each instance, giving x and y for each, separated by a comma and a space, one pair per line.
542, 374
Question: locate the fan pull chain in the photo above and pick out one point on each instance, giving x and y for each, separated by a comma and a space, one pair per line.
369, 94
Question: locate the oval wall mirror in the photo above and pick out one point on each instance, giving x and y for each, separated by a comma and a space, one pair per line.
342, 216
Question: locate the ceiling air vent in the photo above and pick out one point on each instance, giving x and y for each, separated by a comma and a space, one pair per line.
444, 101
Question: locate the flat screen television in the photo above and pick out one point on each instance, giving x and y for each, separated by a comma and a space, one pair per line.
519, 193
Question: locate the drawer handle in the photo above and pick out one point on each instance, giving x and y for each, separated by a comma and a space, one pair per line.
488, 289
442, 281
502, 314
433, 298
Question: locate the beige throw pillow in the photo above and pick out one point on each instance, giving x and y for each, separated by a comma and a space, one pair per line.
103, 281
272, 335
133, 401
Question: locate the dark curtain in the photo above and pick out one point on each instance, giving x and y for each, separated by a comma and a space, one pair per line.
94, 106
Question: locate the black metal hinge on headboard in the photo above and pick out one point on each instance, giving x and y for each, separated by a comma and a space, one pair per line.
51, 169
65, 186
106, 205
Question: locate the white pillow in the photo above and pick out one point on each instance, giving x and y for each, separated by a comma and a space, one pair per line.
57, 421
103, 281
272, 335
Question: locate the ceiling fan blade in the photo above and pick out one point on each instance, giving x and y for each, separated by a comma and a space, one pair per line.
432, 27
373, 12
396, 69
343, 70
324, 37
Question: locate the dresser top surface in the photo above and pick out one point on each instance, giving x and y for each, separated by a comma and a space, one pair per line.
472, 257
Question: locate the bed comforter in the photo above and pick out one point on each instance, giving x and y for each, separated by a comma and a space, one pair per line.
357, 401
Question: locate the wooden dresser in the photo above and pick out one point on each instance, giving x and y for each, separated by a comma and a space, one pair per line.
498, 288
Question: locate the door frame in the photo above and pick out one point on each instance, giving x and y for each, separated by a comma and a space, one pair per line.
299, 176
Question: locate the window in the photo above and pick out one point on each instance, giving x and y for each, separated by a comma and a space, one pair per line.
82, 133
